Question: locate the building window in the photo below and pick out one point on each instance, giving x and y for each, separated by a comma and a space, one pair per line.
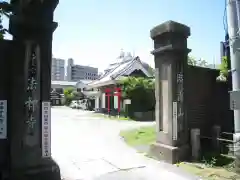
59, 90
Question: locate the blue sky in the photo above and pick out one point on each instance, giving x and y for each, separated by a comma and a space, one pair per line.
92, 32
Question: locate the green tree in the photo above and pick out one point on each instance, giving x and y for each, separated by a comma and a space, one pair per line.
68, 91
151, 70
223, 70
2, 31
77, 95
192, 61
224, 66
129, 84
141, 92
69, 96
5, 9
202, 63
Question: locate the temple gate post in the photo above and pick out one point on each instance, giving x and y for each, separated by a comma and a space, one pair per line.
5, 65
170, 55
32, 26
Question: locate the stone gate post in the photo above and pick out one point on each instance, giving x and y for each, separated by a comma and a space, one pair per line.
32, 27
170, 54
5, 63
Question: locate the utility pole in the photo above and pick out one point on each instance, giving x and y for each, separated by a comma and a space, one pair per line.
234, 44
238, 12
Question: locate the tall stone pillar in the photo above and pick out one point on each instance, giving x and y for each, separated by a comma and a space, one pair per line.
5, 64
32, 27
170, 55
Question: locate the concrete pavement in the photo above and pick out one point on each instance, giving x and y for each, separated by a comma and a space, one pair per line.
90, 148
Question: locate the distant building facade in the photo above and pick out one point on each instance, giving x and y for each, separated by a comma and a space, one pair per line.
59, 86
79, 72
58, 69
124, 65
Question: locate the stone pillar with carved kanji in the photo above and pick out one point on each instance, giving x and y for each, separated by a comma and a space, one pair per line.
32, 26
170, 55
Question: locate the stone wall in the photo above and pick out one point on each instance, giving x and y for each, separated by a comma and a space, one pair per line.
207, 101
144, 116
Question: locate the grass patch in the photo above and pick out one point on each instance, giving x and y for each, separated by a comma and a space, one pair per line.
105, 116
211, 166
140, 136
207, 172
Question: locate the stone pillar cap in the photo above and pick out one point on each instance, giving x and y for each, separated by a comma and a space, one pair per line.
170, 26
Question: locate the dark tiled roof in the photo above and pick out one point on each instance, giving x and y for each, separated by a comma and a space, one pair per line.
116, 70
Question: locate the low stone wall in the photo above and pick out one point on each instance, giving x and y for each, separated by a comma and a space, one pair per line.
144, 116
138, 116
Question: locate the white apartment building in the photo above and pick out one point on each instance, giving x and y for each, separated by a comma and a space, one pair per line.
58, 69
79, 72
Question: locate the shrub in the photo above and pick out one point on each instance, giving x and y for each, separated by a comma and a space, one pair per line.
141, 92
70, 94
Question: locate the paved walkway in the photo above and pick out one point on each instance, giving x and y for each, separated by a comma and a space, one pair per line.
90, 148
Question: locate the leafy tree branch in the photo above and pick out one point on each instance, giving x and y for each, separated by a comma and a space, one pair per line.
223, 69
5, 10
193, 62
